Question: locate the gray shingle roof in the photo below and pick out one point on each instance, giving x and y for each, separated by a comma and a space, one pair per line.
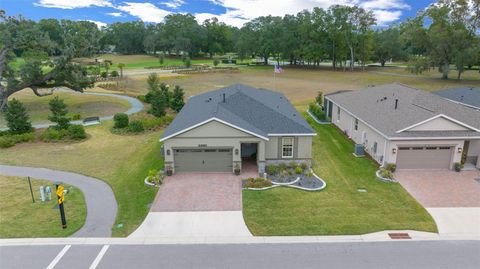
258, 111
466, 95
376, 106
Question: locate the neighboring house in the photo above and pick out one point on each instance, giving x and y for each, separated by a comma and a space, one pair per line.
408, 127
468, 96
218, 130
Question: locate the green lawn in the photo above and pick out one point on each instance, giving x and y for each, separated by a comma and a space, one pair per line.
22, 218
121, 161
339, 208
85, 105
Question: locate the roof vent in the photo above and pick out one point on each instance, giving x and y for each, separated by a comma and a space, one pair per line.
396, 103
224, 97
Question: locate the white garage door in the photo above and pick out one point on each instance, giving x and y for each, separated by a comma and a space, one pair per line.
203, 160
418, 157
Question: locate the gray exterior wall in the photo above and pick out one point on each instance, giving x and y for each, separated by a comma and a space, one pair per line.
218, 135
387, 149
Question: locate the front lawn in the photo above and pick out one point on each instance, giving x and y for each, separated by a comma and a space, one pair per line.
123, 161
340, 208
19, 217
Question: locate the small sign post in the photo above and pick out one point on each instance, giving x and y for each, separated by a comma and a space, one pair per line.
31, 191
61, 198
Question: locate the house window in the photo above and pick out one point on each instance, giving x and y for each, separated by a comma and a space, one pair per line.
356, 125
287, 147
338, 113
375, 147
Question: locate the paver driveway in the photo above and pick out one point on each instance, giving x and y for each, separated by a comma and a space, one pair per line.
442, 188
199, 192
451, 198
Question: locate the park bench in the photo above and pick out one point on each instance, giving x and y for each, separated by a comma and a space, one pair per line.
91, 121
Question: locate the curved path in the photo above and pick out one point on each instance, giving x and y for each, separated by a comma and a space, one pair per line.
136, 106
99, 197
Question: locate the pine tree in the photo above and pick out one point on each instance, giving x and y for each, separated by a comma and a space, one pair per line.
17, 118
177, 99
59, 113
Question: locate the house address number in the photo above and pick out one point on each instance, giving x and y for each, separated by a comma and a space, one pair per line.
202, 145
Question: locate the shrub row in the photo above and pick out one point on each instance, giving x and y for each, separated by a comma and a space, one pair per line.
317, 111
9, 140
122, 124
258, 183
273, 169
73, 132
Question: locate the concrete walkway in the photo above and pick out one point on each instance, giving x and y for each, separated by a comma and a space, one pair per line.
456, 220
99, 197
136, 106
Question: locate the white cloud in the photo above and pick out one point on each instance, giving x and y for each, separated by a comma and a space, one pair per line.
71, 4
173, 3
98, 23
115, 14
240, 11
147, 12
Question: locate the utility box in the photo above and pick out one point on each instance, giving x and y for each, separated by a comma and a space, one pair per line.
359, 150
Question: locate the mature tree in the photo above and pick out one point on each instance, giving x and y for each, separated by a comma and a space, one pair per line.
127, 37
59, 111
387, 45
218, 37
17, 118
81, 38
177, 101
22, 37
183, 33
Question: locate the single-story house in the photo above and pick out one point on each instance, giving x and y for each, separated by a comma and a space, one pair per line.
219, 130
408, 127
468, 96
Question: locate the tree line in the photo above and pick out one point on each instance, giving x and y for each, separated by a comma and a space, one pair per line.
443, 35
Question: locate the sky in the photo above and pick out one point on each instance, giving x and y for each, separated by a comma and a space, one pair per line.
232, 12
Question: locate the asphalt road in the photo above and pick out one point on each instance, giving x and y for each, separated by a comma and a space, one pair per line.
99, 197
413, 254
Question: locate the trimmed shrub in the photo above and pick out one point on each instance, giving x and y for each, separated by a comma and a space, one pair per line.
136, 126
76, 116
258, 183
114, 74
317, 111
53, 134
76, 132
271, 169
282, 167
120, 120
298, 170
304, 166
319, 98
17, 118
142, 98
458, 167
386, 173
292, 164
216, 62
7, 141
103, 74
391, 167
188, 62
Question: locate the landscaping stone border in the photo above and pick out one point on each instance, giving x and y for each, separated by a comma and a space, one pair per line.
377, 173
292, 185
150, 183
316, 119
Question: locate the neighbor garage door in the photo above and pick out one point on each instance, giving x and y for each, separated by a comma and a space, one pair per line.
203, 160
419, 157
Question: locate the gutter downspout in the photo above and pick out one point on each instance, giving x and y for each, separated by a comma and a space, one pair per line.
384, 152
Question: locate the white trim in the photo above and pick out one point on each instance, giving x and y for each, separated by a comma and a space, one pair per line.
283, 145
384, 152
460, 103
434, 138
436, 117
312, 134
209, 120
373, 128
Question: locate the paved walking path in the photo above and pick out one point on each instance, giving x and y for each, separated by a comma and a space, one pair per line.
99, 197
136, 106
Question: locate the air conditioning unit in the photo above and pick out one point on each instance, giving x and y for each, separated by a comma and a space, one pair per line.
359, 150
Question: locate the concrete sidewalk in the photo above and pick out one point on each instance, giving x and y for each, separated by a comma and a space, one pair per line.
168, 240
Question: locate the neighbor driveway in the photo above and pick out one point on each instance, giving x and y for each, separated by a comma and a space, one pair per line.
196, 205
451, 198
